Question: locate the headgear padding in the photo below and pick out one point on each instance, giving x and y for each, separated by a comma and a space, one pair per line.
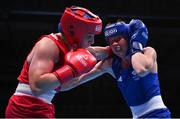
116, 30
78, 21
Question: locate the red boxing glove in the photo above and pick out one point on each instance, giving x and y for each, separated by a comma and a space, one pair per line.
76, 63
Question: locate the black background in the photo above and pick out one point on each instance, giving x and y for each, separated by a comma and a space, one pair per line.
23, 22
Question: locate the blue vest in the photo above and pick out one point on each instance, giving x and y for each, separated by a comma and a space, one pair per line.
135, 90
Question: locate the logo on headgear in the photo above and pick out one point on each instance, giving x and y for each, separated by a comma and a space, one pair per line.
98, 28
110, 32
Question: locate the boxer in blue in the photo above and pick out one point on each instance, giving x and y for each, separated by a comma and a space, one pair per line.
134, 66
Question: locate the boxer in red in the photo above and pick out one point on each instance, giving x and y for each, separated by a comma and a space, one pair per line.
55, 60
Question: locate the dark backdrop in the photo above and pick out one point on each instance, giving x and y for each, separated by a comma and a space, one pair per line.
23, 22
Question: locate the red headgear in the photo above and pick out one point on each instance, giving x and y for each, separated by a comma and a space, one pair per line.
78, 21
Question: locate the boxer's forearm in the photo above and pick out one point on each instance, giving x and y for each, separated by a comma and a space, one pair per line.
144, 62
93, 74
100, 52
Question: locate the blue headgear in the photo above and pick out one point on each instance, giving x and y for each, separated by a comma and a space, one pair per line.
117, 29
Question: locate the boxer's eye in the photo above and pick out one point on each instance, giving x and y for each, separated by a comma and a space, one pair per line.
111, 41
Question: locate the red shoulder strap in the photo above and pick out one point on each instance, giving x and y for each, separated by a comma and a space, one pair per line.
59, 43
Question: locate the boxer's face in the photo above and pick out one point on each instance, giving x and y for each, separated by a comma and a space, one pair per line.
119, 46
87, 40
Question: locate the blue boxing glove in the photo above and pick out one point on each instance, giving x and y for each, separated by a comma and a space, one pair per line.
139, 36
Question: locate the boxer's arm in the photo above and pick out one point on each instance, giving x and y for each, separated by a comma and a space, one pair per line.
100, 52
100, 68
144, 63
41, 65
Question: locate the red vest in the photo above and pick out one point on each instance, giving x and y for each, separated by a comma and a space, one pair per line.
23, 77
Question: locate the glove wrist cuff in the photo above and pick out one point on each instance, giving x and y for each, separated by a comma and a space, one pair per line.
136, 47
64, 74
